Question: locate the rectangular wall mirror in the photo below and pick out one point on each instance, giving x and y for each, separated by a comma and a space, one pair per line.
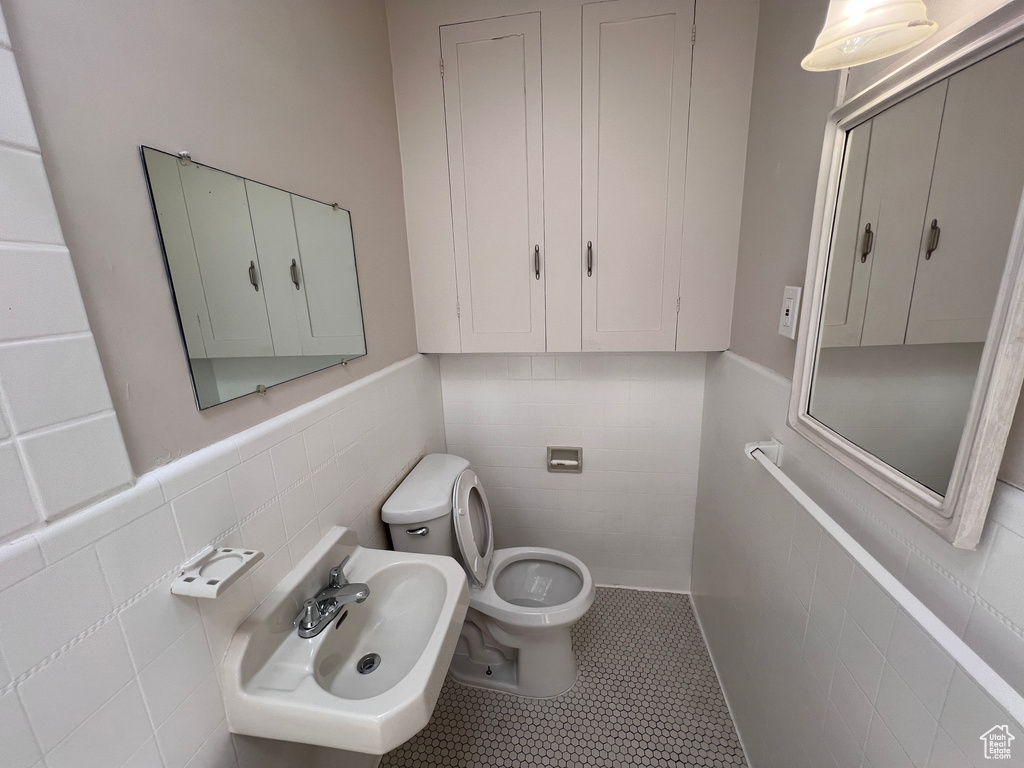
264, 281
909, 367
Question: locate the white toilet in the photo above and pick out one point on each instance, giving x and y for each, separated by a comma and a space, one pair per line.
523, 601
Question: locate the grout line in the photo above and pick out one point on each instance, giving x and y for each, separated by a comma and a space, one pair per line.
28, 721
138, 683
15, 145
73, 422
53, 249
28, 340
915, 550
134, 681
23, 149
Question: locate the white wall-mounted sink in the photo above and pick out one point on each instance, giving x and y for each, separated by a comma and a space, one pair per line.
280, 686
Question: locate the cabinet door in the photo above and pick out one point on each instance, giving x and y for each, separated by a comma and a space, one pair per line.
846, 287
179, 250
976, 190
327, 306
274, 229
218, 212
900, 160
636, 78
492, 97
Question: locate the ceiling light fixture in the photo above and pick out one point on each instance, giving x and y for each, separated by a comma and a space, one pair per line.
859, 31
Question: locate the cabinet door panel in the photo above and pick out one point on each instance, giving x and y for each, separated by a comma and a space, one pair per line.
976, 189
179, 250
636, 75
226, 251
903, 141
492, 93
274, 229
329, 314
847, 284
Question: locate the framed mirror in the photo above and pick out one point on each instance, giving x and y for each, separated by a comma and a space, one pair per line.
911, 358
264, 281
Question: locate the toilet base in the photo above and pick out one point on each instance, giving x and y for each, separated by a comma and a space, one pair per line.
496, 677
537, 667
465, 671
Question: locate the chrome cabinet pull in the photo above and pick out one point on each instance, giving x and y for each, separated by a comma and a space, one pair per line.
536, 261
590, 258
933, 239
869, 243
418, 531
295, 274
252, 275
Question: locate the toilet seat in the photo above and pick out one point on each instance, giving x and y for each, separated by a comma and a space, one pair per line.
556, 576
473, 530
485, 598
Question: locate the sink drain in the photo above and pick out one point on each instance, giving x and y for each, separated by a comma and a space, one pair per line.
368, 663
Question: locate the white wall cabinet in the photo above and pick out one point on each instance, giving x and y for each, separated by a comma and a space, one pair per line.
306, 254
878, 224
529, 135
257, 272
933, 181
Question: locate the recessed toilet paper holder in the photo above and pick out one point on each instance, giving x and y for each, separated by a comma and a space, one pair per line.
564, 458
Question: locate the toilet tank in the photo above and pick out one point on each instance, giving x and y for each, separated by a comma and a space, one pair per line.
424, 501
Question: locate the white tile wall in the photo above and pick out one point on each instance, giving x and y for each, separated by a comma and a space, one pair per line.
75, 462
36, 375
52, 459
19, 508
27, 214
120, 654
850, 679
629, 515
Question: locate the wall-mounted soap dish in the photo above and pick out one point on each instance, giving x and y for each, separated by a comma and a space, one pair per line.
213, 570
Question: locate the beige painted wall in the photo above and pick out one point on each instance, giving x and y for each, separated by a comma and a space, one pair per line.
787, 121
297, 95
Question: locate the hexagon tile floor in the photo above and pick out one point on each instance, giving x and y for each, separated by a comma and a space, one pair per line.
647, 695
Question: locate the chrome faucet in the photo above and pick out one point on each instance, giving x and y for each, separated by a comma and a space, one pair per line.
318, 612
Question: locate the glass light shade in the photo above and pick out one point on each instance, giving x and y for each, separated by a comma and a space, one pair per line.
859, 31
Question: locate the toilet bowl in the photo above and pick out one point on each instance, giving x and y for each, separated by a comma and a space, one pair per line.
523, 601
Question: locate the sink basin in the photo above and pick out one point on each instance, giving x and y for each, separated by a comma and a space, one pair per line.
368, 682
395, 623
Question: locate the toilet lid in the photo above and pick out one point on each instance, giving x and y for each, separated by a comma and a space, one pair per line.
472, 519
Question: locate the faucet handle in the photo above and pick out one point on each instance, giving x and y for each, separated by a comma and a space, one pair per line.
338, 579
311, 614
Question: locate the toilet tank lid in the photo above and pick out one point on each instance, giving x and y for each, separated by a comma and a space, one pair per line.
426, 492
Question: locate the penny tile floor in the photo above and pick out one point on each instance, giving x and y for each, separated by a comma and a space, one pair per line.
647, 695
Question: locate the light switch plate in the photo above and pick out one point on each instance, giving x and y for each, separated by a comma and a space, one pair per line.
790, 314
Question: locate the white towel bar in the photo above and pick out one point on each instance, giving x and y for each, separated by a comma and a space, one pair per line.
962, 654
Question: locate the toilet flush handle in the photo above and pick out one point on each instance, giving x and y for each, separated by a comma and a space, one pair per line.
418, 531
